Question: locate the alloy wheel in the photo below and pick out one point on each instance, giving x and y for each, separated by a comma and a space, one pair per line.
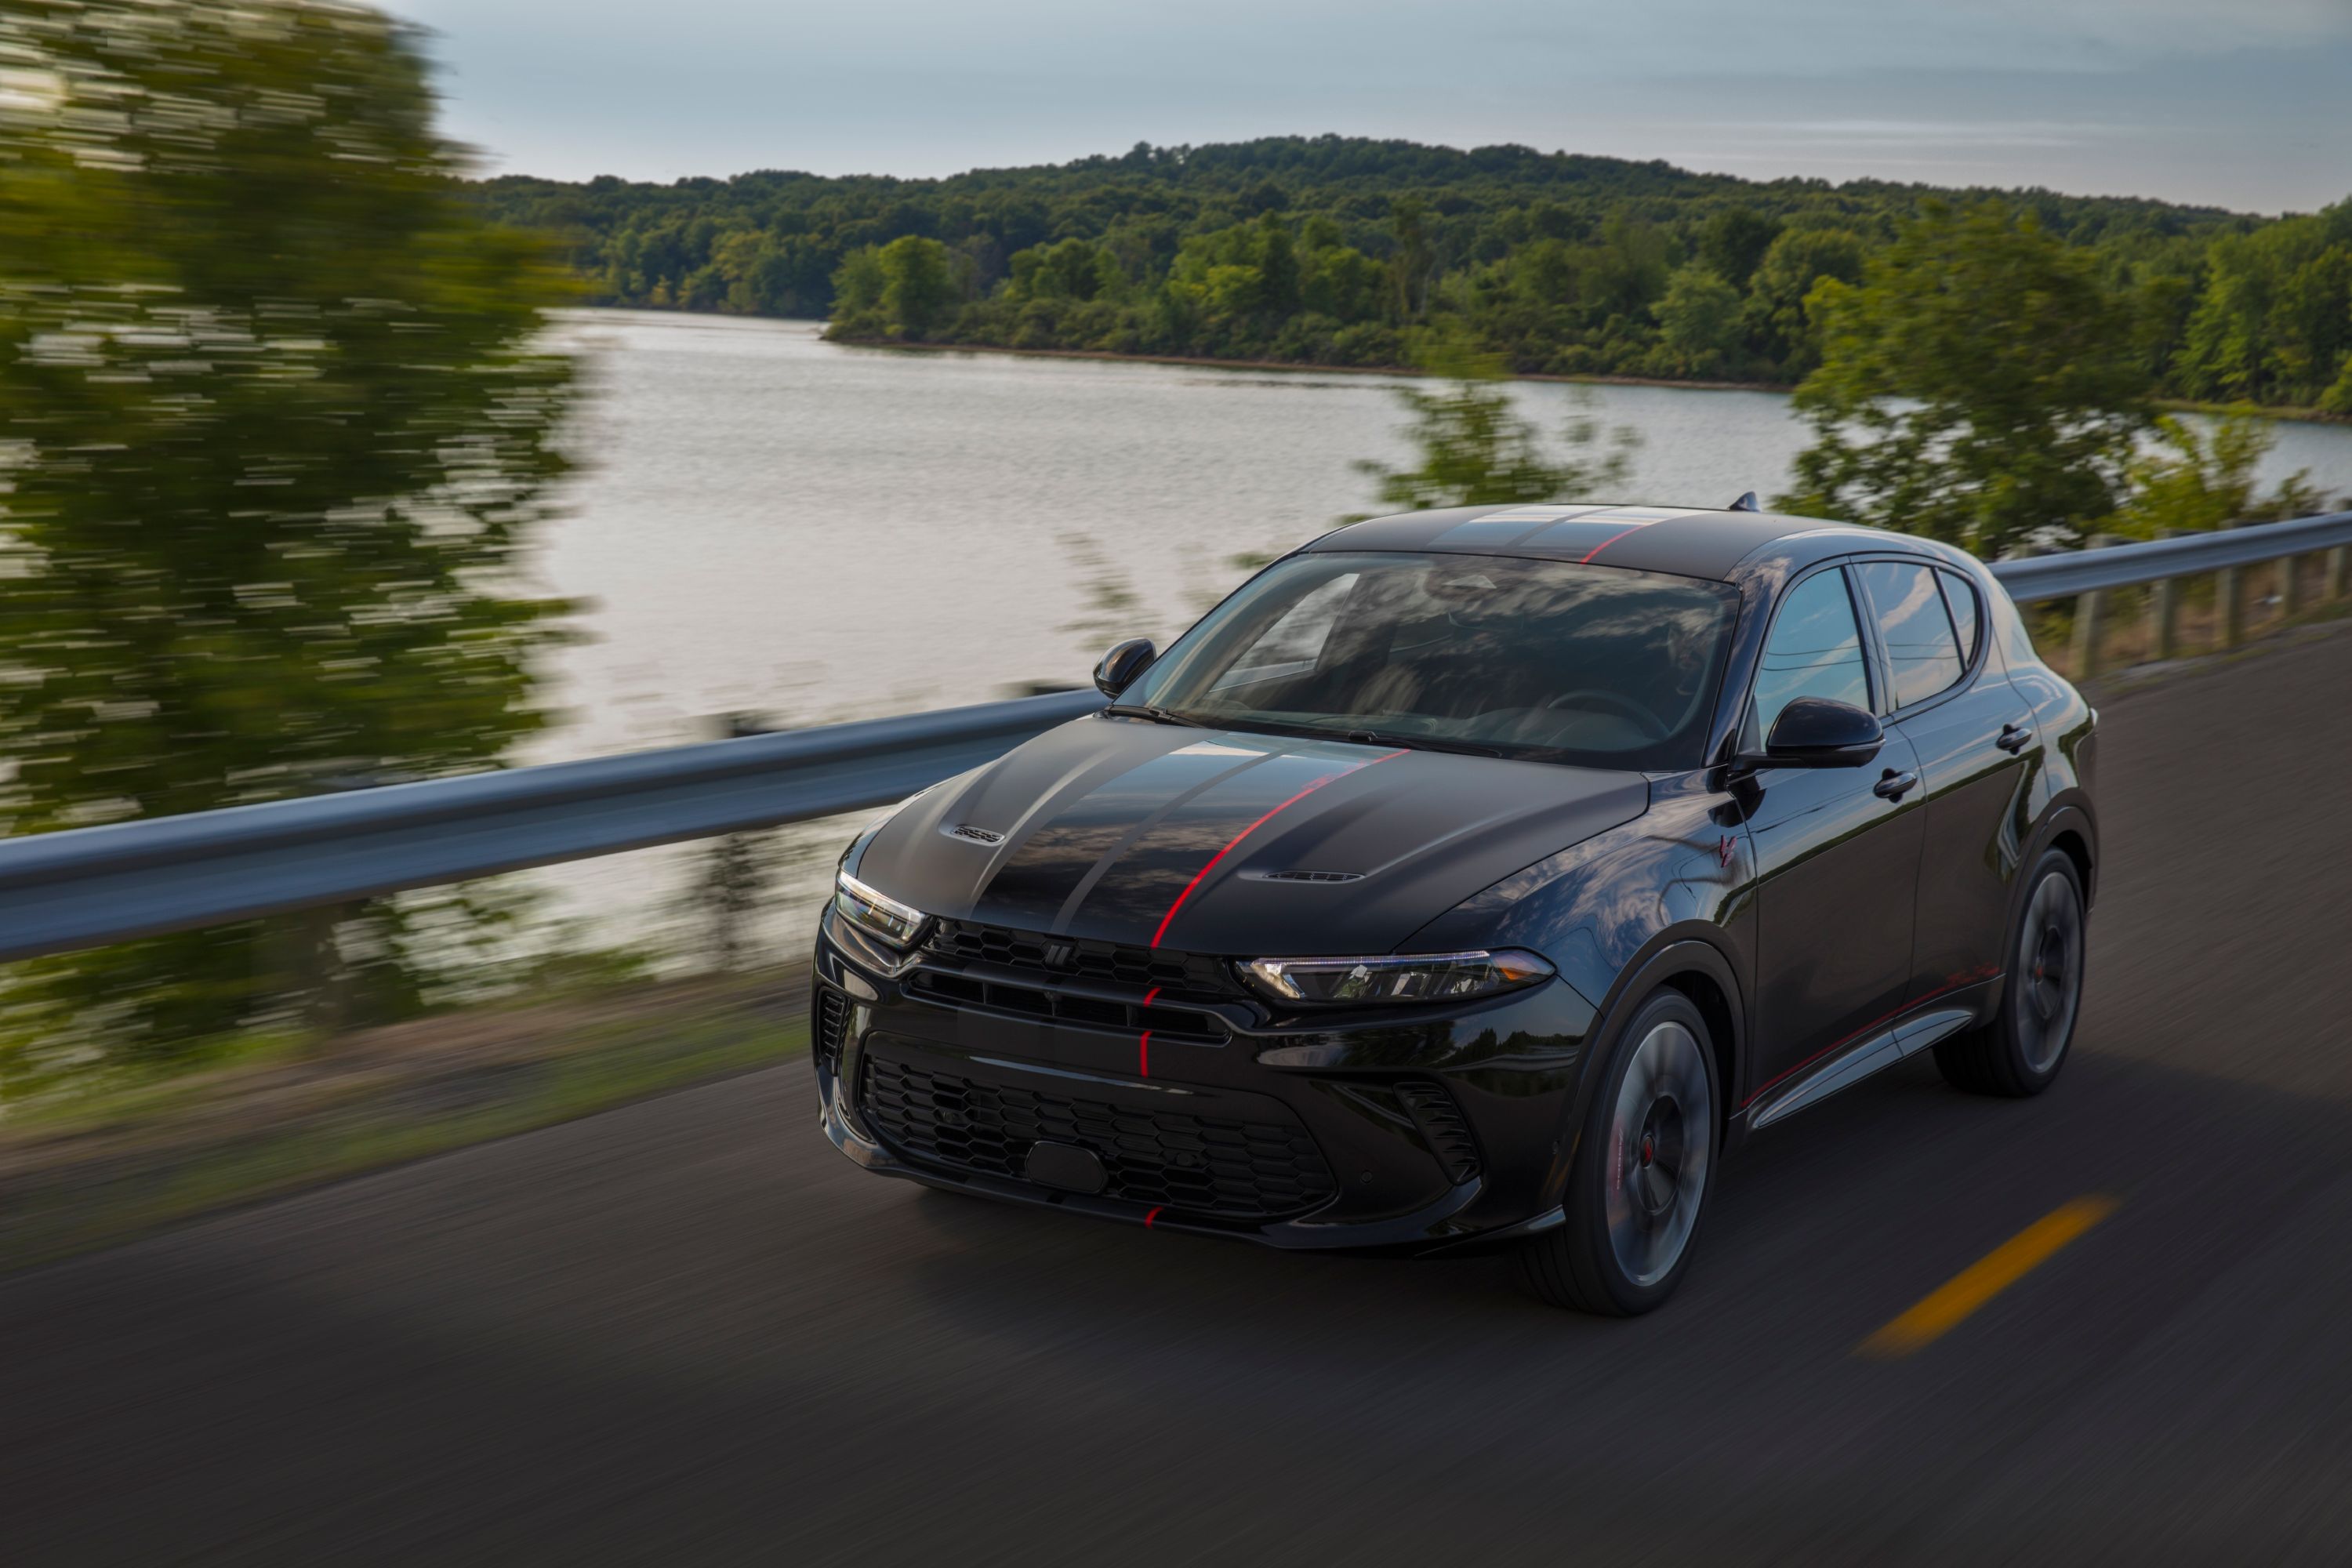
1661, 1137
2050, 978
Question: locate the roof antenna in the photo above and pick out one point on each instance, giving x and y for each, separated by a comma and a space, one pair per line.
1746, 502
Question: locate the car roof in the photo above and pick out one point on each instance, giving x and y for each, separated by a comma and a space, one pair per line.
1686, 540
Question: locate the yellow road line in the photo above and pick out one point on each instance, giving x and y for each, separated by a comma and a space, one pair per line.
1943, 1309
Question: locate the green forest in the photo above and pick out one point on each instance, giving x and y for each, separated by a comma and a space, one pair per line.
1345, 251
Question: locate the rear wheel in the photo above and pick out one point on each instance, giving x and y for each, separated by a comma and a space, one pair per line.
2021, 1051
1644, 1163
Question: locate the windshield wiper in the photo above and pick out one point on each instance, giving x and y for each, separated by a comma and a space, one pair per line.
1423, 744
1156, 715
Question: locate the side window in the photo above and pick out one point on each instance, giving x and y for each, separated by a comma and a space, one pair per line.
1915, 627
1815, 650
1960, 597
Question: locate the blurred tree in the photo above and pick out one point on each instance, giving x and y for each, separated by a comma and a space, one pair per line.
2201, 474
1476, 450
277, 419
1980, 387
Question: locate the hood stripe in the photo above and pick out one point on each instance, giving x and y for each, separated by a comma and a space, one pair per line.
1111, 857
1253, 827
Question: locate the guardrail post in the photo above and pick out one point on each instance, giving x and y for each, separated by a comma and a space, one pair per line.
2226, 606
2164, 609
2290, 599
2338, 559
2090, 616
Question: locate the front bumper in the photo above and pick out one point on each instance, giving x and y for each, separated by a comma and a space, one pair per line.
1388, 1130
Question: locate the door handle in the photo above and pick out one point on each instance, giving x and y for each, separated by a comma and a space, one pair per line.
2014, 738
1893, 786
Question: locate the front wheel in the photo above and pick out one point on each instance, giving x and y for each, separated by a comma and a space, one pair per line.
1643, 1167
2021, 1051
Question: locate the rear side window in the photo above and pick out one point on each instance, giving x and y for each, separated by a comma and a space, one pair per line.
1960, 598
1815, 650
1921, 646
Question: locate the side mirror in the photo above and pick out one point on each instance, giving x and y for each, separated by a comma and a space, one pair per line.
1122, 664
1821, 732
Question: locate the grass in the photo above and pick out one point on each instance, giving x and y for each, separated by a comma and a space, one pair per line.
99, 1170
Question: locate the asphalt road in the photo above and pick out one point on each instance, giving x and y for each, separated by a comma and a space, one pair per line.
689, 1332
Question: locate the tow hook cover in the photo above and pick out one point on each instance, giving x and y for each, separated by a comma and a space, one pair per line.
1066, 1166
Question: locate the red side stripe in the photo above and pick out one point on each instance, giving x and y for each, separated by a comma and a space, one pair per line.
1253, 827
1988, 972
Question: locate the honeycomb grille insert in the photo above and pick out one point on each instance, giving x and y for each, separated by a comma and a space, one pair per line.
1214, 1167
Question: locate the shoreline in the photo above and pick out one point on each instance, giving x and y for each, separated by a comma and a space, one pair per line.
2295, 415
1293, 367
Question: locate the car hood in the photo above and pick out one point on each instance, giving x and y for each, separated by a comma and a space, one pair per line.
1230, 842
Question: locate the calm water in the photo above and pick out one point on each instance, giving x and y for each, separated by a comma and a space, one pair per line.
772, 523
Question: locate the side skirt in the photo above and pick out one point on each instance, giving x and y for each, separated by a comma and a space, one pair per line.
1906, 1038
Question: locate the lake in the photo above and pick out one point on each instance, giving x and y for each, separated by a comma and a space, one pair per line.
771, 523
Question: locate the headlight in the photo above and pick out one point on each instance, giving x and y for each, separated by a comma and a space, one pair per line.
1406, 977
876, 913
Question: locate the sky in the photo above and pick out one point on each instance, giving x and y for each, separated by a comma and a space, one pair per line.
2233, 103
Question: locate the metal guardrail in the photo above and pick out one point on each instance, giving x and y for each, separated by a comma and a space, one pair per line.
2063, 577
88, 886
91, 885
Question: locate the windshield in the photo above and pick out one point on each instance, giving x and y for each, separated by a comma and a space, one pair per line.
1540, 659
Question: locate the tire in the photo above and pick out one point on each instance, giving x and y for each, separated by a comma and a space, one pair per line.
2021, 1051
1644, 1164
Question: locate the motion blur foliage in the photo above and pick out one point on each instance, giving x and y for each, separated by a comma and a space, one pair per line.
1477, 451
277, 425
1341, 250
1980, 386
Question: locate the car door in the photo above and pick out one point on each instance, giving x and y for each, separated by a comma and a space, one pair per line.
1837, 849
1972, 734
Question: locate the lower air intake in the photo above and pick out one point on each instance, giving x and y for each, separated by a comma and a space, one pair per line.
831, 1025
1214, 1167
1443, 1127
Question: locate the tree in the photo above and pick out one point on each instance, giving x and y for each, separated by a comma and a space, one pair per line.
1476, 450
282, 418
1774, 314
1980, 387
2198, 479
1699, 319
918, 288
1733, 241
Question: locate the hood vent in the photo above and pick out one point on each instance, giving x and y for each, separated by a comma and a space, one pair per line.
1307, 876
972, 835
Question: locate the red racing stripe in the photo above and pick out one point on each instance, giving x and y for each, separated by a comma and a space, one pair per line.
1253, 827
1605, 544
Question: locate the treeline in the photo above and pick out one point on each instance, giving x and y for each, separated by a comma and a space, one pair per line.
1347, 251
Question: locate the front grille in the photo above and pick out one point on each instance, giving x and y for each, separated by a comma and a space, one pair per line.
1215, 1167
1443, 1127
1067, 957
976, 994
831, 1024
